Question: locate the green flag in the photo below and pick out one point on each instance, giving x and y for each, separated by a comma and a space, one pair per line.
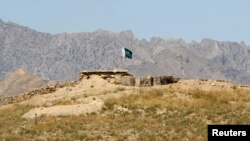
127, 53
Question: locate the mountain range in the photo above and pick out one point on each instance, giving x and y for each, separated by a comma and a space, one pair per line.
62, 56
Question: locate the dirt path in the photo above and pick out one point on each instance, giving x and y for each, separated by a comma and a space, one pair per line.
65, 110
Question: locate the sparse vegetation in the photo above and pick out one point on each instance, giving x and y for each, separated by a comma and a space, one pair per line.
148, 114
64, 102
119, 89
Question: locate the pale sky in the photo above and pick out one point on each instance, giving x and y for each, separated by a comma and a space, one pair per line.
187, 19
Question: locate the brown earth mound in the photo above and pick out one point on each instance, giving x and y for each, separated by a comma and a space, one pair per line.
20, 81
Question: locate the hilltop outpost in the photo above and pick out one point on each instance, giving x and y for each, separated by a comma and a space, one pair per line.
119, 77
122, 77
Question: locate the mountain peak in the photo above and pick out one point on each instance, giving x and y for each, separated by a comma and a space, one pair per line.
20, 81
21, 71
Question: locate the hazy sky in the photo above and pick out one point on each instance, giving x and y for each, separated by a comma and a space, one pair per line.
186, 19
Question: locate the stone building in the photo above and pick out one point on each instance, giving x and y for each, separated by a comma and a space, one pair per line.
124, 78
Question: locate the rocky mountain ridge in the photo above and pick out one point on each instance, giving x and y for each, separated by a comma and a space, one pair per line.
62, 56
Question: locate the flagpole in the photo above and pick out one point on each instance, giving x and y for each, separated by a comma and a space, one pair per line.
121, 62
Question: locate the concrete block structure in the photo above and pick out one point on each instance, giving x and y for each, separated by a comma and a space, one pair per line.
124, 78
144, 81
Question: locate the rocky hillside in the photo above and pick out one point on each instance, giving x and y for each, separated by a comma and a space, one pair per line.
63, 56
19, 82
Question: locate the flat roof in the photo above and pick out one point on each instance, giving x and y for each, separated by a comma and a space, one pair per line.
106, 72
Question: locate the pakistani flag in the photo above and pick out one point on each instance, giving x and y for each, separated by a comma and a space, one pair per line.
127, 53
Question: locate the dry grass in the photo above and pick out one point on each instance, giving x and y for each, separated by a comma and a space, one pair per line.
148, 115
10, 121
186, 115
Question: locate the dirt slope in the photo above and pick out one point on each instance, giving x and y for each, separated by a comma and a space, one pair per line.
86, 97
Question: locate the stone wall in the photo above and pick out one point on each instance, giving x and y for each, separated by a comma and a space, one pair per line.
164, 80
152, 81
144, 81
38, 91
28, 95
128, 81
